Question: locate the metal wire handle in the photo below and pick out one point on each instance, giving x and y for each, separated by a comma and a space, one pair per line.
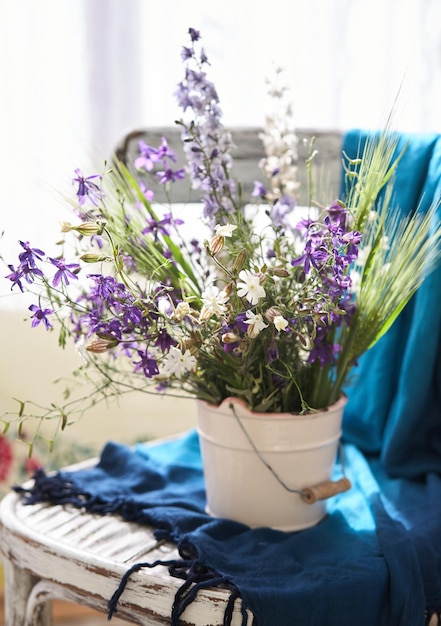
321, 491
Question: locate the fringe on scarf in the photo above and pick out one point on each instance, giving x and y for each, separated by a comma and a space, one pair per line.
58, 489
196, 577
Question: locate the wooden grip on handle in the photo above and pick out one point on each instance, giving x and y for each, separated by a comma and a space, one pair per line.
325, 490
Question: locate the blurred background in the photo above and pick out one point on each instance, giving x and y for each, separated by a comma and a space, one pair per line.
77, 75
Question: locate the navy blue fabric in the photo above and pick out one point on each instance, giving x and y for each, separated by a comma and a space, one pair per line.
374, 560
394, 406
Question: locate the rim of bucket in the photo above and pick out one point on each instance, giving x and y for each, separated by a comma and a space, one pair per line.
223, 408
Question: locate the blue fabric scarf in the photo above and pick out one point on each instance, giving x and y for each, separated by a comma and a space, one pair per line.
374, 559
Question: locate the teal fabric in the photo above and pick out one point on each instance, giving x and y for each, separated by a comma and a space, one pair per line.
394, 406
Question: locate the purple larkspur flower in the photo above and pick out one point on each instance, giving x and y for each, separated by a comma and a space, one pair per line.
206, 143
312, 257
304, 224
165, 152
23, 271
147, 364
186, 53
30, 255
259, 190
15, 277
168, 175
195, 35
272, 352
281, 210
65, 271
338, 213
40, 315
87, 188
147, 158
164, 341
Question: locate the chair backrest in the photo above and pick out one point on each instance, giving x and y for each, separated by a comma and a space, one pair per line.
247, 154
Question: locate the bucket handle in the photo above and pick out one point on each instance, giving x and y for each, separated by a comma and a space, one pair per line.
321, 491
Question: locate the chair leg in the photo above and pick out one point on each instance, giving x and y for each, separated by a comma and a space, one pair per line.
18, 589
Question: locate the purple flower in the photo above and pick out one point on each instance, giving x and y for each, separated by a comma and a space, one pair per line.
312, 257
87, 188
64, 271
30, 255
272, 353
322, 352
15, 276
259, 190
206, 143
240, 322
162, 227
147, 364
164, 341
167, 175
194, 34
304, 225
281, 210
165, 152
40, 315
338, 214
150, 156
186, 53
23, 271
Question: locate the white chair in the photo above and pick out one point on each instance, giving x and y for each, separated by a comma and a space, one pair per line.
60, 552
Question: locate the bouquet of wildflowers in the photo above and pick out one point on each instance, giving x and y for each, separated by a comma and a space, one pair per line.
273, 306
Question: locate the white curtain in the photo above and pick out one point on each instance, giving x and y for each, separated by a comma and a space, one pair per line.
75, 75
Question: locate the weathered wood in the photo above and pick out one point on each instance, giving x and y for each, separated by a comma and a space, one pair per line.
247, 154
60, 552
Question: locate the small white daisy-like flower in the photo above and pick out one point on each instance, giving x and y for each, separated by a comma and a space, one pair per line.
214, 302
256, 323
177, 363
250, 287
280, 322
225, 230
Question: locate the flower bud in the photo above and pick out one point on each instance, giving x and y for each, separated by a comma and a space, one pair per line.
271, 313
89, 257
229, 338
240, 261
90, 228
228, 289
102, 345
281, 272
86, 228
217, 244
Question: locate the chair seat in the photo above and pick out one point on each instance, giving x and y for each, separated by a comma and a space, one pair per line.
60, 552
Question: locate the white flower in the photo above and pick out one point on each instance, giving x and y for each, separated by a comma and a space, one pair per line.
250, 288
214, 302
177, 362
280, 322
256, 323
182, 310
225, 230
